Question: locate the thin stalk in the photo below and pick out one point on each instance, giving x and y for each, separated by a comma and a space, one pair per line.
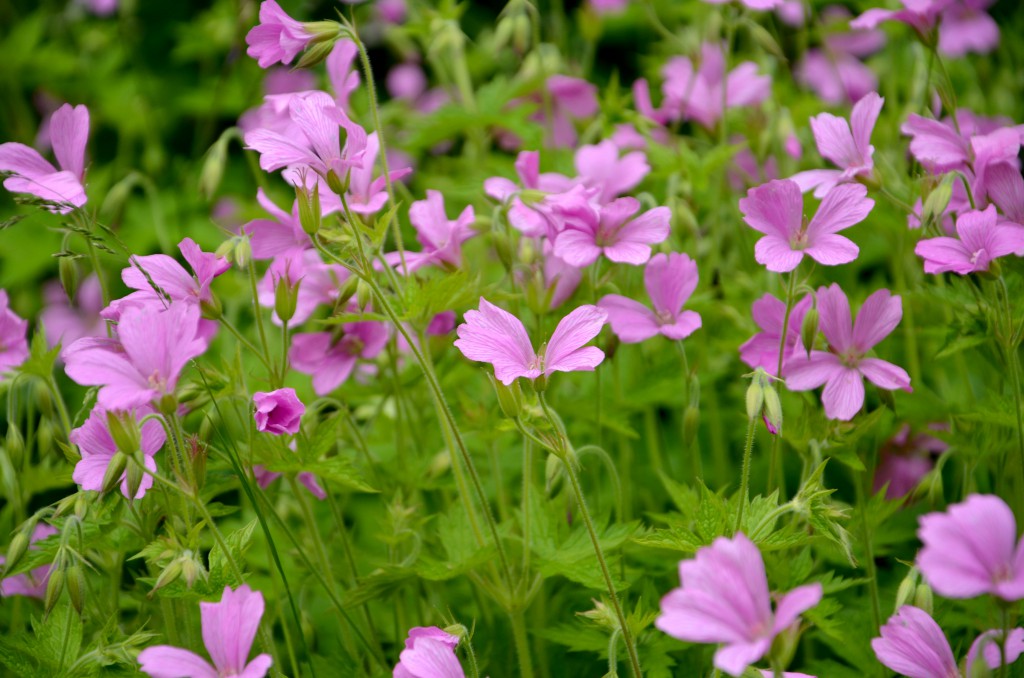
259, 316
869, 555
1005, 614
522, 644
774, 459
67, 638
248, 344
748, 449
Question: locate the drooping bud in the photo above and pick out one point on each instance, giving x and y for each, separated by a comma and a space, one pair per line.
76, 587
135, 473
15, 443
937, 201
115, 469
212, 171
809, 329
755, 396
772, 409
346, 292
211, 308
53, 588
337, 184
192, 568
315, 54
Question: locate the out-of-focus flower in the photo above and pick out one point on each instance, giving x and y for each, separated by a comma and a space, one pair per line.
762, 349
776, 210
980, 240
600, 167
972, 549
65, 323
963, 25
319, 283
31, 584
493, 335
13, 336
843, 368
612, 230
264, 478
670, 279
749, 4
540, 215
835, 71
270, 238
571, 99
32, 174
98, 448
429, 653
608, 6
229, 628
906, 460
724, 598
330, 357
278, 412
367, 194
847, 145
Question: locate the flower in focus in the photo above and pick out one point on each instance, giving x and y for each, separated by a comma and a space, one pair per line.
441, 237
613, 231
844, 366
278, 412
13, 339
65, 323
144, 362
429, 653
906, 460
229, 628
97, 448
724, 598
32, 583
980, 239
330, 357
912, 644
272, 237
536, 216
972, 549
762, 349
32, 174
670, 279
848, 145
277, 37
776, 210
493, 335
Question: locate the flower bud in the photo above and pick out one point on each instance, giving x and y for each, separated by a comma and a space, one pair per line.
691, 424
212, 171
115, 469
211, 308
69, 278
923, 597
363, 294
510, 398
323, 31
76, 587
554, 471
315, 54
937, 201
309, 208
908, 587
192, 567
17, 548
755, 397
457, 630
53, 588
540, 384
242, 253
124, 430
286, 298
168, 404
809, 330
336, 183
346, 292
135, 474
772, 409
15, 443
168, 575
198, 455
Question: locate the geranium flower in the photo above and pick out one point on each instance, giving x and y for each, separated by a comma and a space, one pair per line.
97, 448
65, 323
762, 349
277, 37
13, 339
33, 583
670, 279
613, 231
278, 412
429, 653
848, 145
980, 240
440, 236
330, 357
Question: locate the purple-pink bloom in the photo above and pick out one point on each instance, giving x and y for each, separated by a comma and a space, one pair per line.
540, 216
847, 145
64, 323
972, 549
264, 478
367, 194
174, 283
966, 27
912, 644
980, 239
844, 366
272, 237
319, 283
277, 37
440, 236
330, 357
13, 336
229, 628
906, 460
143, 364
97, 447
278, 412
670, 279
776, 210
429, 653
750, 4
32, 174
611, 230
599, 167
762, 349
493, 335
571, 99
33, 583
724, 598
560, 279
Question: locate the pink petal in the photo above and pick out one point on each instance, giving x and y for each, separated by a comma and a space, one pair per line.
69, 132
164, 661
835, 323
988, 646
685, 324
774, 208
23, 160
912, 644
844, 206
843, 395
795, 603
493, 335
803, 373
862, 122
884, 374
776, 254
564, 352
821, 181
670, 280
832, 250
944, 254
877, 318
834, 140
230, 626
631, 321
578, 248
734, 658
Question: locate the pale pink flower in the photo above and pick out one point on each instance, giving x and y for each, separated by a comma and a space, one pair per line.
269, 238
277, 37
13, 336
608, 6
847, 145
97, 448
368, 194
835, 71
776, 210
229, 628
670, 279
750, 4
278, 412
495, 336
762, 349
612, 230
560, 278
724, 599
980, 240
571, 99
599, 167
844, 366
33, 583
429, 653
330, 357
32, 174
541, 215
440, 236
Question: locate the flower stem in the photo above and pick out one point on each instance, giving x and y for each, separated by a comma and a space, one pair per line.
774, 458
869, 554
748, 449
522, 643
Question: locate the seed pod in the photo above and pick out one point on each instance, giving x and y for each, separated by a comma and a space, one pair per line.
76, 587
53, 588
115, 469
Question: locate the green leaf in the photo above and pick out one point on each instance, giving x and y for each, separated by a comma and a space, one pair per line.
41, 357
238, 542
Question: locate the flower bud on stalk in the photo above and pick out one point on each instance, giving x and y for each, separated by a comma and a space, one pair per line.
18, 547
908, 587
54, 587
363, 294
115, 469
15, 444
286, 298
135, 473
76, 587
309, 208
691, 424
316, 53
809, 330
346, 292
923, 597
124, 430
937, 201
167, 576
68, 272
510, 398
338, 185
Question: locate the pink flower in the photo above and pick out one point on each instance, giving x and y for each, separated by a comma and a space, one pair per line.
724, 599
844, 366
762, 349
850, 150
144, 363
229, 628
65, 323
330, 357
613, 231
540, 216
936, 144
836, 77
69, 132
278, 412
492, 335
308, 480
441, 237
271, 237
1006, 190
913, 645
906, 460
342, 72
750, 4
972, 549
776, 210
979, 240
429, 653
966, 27
319, 283
97, 448
366, 194
560, 278
571, 98
277, 37
33, 583
600, 167
13, 340
670, 279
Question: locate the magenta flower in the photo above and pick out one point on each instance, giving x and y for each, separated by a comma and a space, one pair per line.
495, 336
13, 340
600, 167
906, 460
972, 549
229, 628
272, 237
330, 357
762, 349
963, 25
776, 210
540, 217
913, 645
97, 448
979, 240
342, 71
173, 281
366, 194
278, 412
613, 231
429, 653
277, 37
844, 366
264, 478
835, 71
571, 99
670, 279
936, 144
750, 4
143, 364
1006, 190
848, 145
724, 599
65, 323
319, 283
441, 237
33, 583
32, 174
560, 278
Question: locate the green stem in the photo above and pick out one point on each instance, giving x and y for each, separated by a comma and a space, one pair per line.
256, 311
869, 555
774, 459
522, 644
748, 449
248, 344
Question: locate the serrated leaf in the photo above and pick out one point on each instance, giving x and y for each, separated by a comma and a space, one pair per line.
238, 542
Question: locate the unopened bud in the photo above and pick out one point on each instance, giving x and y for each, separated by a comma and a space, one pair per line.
772, 409
135, 474
211, 308
243, 253
15, 443
315, 54
554, 470
115, 469
53, 588
346, 291
16, 549
336, 183
309, 208
192, 568
935, 204
198, 461
124, 430
755, 398
540, 384
286, 298
691, 424
907, 589
923, 597
809, 330
67, 269
322, 31
169, 575
212, 171
363, 294
510, 398
76, 587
